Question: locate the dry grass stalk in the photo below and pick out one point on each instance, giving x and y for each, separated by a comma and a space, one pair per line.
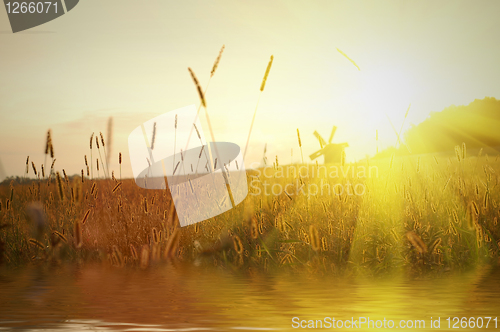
268, 69
85, 217
144, 257
78, 235
216, 64
300, 145
198, 87
263, 84
60, 186
61, 236
34, 168
172, 244
36, 243
417, 242
133, 253
116, 187
109, 138
314, 236
254, 228
27, 162
238, 245
91, 164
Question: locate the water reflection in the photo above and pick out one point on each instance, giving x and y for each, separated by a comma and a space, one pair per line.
186, 298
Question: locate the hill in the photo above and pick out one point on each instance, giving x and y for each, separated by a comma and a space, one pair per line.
477, 125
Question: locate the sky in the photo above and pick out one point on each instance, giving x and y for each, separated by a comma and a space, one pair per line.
128, 59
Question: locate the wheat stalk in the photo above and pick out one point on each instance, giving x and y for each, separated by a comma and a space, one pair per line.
315, 242
91, 162
214, 68
60, 186
262, 86
104, 167
202, 98
47, 146
78, 234
300, 145
417, 242
120, 162
109, 142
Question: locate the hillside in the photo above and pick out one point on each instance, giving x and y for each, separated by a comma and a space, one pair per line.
477, 125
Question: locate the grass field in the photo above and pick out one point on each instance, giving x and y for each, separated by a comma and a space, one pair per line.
414, 214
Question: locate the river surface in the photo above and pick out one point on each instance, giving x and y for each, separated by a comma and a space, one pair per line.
187, 298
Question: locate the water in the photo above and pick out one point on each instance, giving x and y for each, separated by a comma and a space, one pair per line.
186, 298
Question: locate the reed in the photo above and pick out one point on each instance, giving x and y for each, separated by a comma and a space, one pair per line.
61, 236
65, 177
314, 237
416, 242
37, 243
216, 63
115, 188
105, 168
262, 86
300, 145
120, 162
86, 216
144, 257
78, 235
172, 245
238, 245
214, 68
109, 140
198, 88
34, 168
91, 163
60, 187
27, 165
48, 143
133, 253
226, 180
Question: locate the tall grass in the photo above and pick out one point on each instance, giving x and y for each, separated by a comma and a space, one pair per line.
443, 217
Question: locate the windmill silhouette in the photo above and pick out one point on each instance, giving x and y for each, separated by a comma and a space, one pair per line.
331, 152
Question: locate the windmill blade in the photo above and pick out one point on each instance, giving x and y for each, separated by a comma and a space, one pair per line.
334, 129
395, 131
316, 154
320, 139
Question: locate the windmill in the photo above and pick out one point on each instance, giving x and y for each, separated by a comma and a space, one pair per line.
332, 152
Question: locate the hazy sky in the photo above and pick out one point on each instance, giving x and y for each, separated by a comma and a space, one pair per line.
128, 59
